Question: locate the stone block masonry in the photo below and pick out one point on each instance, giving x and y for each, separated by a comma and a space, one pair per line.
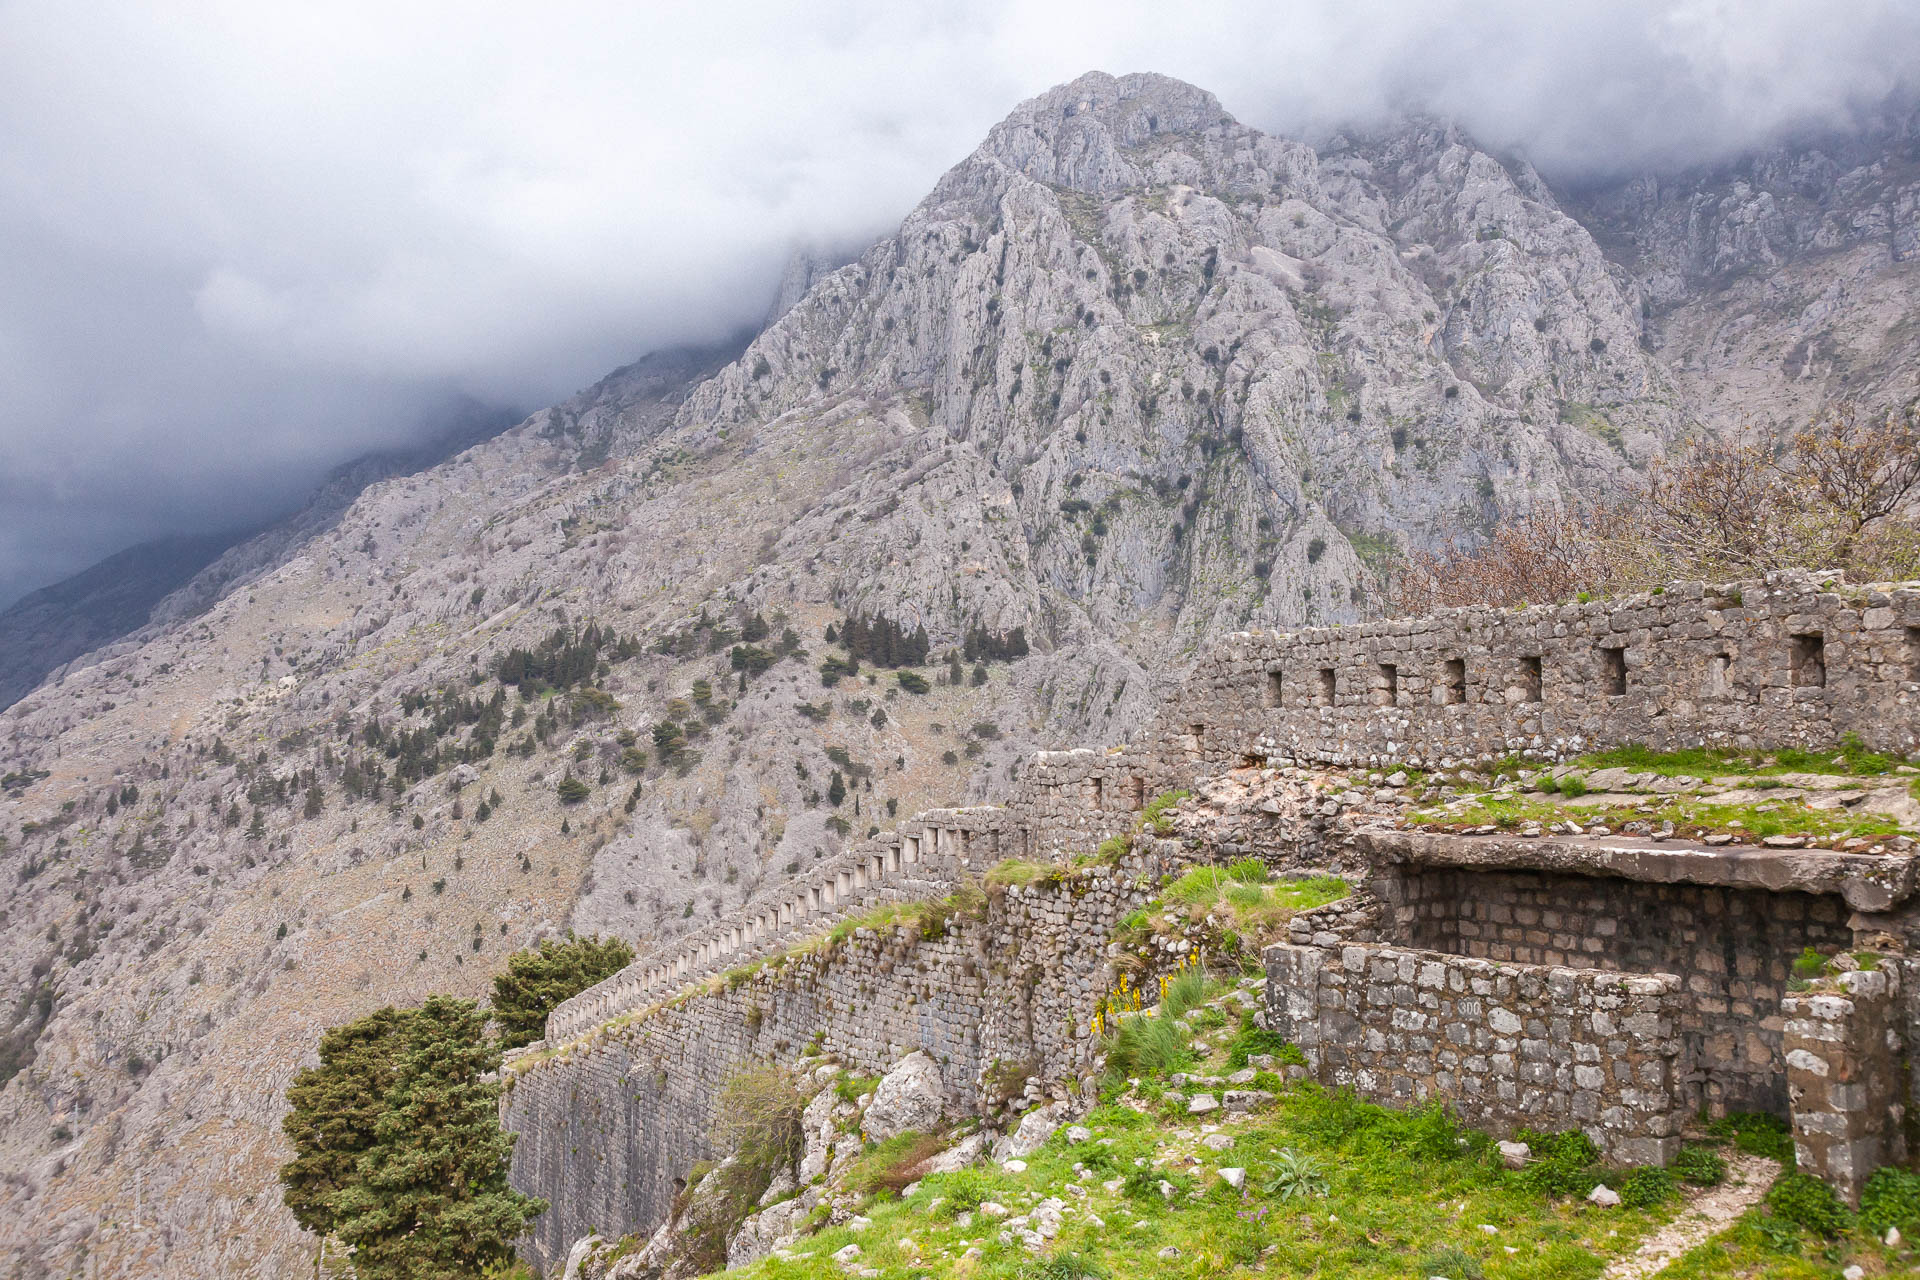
1507, 1046
1610, 988
1786, 661
607, 1122
1791, 660
1849, 1111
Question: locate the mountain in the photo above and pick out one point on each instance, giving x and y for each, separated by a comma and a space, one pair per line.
172, 578
51, 626
1131, 377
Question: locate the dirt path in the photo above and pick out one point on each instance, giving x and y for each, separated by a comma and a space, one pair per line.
1711, 1212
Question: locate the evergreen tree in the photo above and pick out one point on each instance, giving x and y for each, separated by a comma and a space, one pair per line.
536, 981
316, 800
432, 1200
836, 789
332, 1111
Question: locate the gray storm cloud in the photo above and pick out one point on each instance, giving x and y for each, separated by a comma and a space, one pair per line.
242, 242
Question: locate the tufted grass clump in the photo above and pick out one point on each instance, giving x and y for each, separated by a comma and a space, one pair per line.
1701, 1166
1807, 1202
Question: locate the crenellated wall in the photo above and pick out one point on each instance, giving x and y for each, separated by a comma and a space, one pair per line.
609, 1121
615, 1104
1785, 661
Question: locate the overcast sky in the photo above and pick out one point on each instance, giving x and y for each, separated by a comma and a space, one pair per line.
242, 242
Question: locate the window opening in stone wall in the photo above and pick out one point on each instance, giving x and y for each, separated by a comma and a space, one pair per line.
1386, 690
1613, 671
1196, 740
1809, 660
1097, 792
1272, 696
1326, 688
1530, 682
1720, 675
1453, 685
1136, 794
1913, 653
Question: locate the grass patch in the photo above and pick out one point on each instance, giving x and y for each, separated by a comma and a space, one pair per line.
1690, 817
892, 1166
1851, 758
1334, 1187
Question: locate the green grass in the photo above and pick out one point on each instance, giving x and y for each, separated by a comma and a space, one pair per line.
1335, 1187
1850, 758
1398, 1188
1689, 816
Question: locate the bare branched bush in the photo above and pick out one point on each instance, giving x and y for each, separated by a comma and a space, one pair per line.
1839, 494
758, 1116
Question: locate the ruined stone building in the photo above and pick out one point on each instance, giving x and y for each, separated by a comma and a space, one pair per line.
1618, 985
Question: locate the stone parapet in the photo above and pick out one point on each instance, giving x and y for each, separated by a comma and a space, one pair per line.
1507, 1046
1843, 1051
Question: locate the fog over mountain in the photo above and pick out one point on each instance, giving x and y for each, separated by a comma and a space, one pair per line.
244, 245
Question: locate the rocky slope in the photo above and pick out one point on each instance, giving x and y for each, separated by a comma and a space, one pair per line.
169, 579
1133, 375
1777, 285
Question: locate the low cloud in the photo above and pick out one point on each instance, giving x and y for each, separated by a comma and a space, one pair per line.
244, 242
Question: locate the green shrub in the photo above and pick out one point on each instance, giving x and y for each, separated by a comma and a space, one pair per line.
537, 980
1247, 871
1428, 1133
1648, 1187
1563, 1163
1573, 785
758, 1117
1756, 1134
913, 682
962, 1191
1702, 1166
1891, 1199
1809, 964
1805, 1201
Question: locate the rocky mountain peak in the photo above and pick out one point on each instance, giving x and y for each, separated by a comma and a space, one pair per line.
1077, 135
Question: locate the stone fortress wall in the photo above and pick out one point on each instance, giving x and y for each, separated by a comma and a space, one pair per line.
1780, 662
1463, 989
611, 1120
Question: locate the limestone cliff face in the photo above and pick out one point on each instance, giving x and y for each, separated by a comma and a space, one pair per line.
1132, 376
1784, 282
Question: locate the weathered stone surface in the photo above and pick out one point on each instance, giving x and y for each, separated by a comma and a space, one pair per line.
910, 1097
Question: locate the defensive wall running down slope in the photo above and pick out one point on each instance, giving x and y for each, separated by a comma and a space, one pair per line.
1569, 1022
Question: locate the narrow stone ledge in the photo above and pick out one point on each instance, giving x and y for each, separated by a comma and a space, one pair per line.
1867, 882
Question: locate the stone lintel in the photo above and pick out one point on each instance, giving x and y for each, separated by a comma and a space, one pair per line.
1867, 882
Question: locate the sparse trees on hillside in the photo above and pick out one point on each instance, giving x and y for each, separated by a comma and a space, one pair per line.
1837, 494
